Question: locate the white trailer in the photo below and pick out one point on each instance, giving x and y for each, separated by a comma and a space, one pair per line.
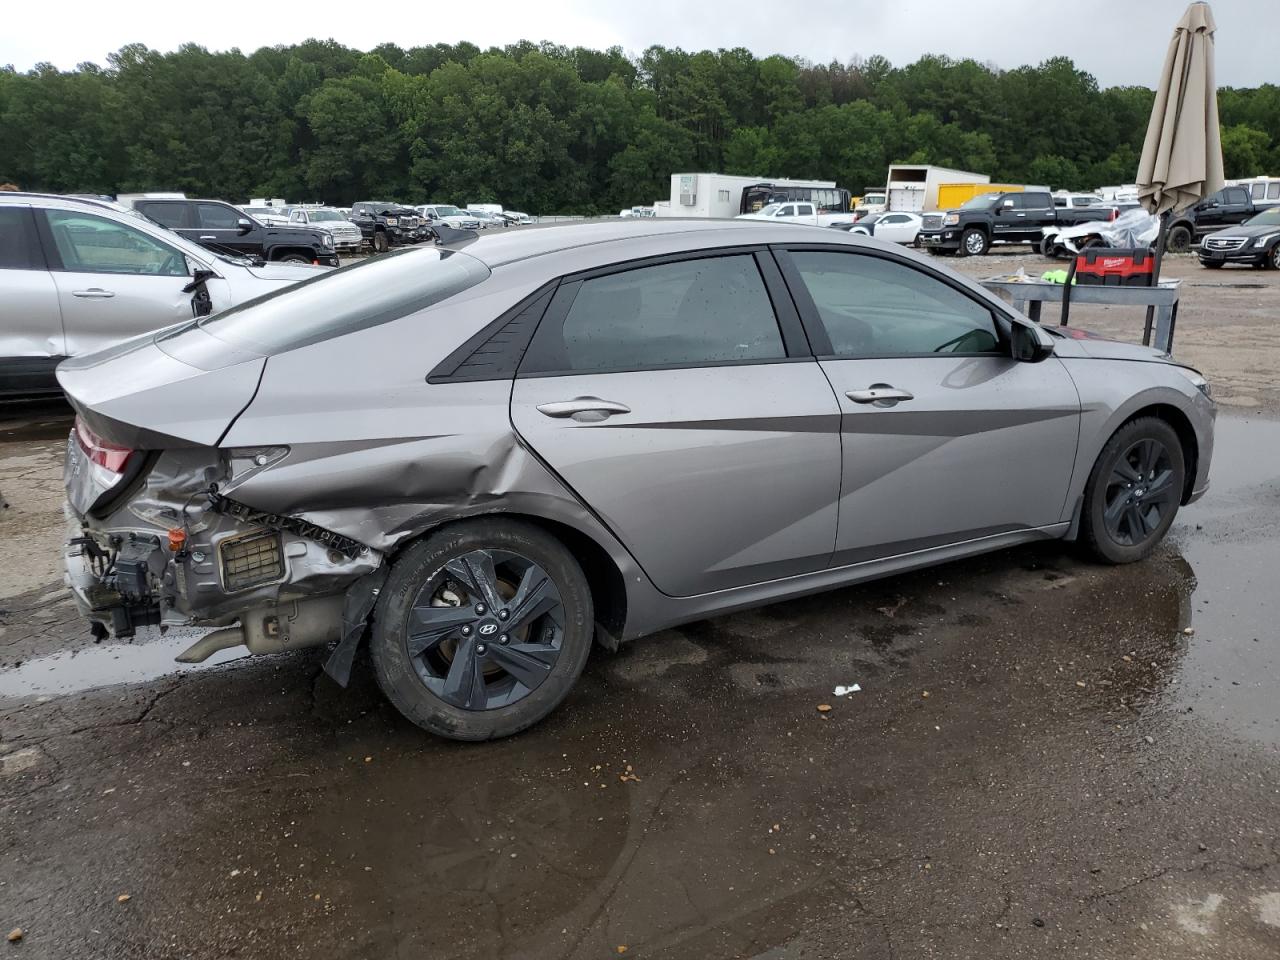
719, 195
913, 187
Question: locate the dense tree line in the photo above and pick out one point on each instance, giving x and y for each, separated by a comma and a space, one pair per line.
551, 129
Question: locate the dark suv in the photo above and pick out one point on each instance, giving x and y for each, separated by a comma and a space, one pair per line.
220, 226
385, 224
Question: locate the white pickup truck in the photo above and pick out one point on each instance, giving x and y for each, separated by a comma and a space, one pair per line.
797, 211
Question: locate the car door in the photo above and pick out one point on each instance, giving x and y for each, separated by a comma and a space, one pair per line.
680, 409
895, 228
946, 438
31, 338
218, 225
113, 280
1009, 216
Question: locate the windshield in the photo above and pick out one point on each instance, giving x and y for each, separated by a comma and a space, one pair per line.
980, 201
260, 211
448, 211
338, 302
871, 218
325, 216
873, 198
769, 210
1268, 218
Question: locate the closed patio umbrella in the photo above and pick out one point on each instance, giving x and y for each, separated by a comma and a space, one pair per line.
1182, 155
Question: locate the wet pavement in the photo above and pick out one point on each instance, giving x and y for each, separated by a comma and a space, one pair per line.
1046, 758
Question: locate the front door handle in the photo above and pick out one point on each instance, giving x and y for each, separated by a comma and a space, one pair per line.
880, 393
583, 409
208, 237
93, 293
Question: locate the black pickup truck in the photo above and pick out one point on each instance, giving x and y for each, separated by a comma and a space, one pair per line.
222, 227
1015, 217
384, 224
1226, 208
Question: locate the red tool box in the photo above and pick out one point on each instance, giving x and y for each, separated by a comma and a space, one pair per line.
1115, 267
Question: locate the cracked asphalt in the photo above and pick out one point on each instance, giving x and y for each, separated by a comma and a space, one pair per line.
1047, 758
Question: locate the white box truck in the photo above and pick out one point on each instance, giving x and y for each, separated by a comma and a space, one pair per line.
719, 195
913, 187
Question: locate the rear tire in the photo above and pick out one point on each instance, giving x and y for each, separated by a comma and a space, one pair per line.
1133, 492
440, 651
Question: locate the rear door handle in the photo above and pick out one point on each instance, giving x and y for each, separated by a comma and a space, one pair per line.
583, 409
209, 237
881, 393
93, 293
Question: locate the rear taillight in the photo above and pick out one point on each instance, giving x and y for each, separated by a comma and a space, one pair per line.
104, 453
1114, 213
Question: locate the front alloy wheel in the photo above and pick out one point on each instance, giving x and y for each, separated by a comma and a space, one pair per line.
1133, 492
481, 629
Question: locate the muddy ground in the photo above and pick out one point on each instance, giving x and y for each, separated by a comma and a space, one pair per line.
1046, 759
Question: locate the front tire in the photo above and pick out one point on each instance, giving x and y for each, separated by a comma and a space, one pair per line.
1273, 258
294, 258
1178, 240
379, 242
973, 243
1134, 492
1212, 264
481, 629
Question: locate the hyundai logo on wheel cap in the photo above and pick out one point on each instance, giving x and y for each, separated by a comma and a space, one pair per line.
487, 629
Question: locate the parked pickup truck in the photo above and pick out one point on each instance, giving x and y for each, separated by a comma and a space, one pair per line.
385, 224
1226, 208
1000, 218
226, 229
797, 211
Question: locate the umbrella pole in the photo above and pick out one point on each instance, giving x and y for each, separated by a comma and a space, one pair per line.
1161, 237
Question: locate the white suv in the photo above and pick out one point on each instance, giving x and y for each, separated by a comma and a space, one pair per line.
78, 275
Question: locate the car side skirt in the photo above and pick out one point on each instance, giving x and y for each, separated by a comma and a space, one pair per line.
649, 611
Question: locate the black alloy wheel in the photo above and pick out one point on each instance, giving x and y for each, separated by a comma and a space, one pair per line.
482, 628
1133, 492
1273, 258
487, 630
1140, 493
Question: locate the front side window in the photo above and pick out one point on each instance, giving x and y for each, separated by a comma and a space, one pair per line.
1236, 195
298, 216
92, 244
214, 216
873, 307
1273, 191
689, 313
19, 248
1259, 191
788, 211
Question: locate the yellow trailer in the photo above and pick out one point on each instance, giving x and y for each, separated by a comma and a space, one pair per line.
951, 195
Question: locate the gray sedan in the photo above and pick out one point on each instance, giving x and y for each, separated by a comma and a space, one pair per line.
481, 460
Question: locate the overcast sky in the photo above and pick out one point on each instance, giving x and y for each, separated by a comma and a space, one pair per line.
1118, 42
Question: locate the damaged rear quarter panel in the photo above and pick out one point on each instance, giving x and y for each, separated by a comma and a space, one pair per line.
380, 455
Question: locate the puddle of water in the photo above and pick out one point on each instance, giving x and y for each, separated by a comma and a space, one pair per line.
108, 664
1230, 673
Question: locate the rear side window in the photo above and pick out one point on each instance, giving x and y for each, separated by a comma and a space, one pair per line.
214, 216
873, 307
338, 302
19, 248
171, 215
1259, 191
1273, 191
688, 313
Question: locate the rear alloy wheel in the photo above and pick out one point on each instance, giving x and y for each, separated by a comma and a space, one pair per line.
482, 629
1134, 491
1178, 240
973, 243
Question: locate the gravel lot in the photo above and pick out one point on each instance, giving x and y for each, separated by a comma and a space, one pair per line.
1046, 758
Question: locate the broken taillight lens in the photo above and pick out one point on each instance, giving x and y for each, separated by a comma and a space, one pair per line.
102, 452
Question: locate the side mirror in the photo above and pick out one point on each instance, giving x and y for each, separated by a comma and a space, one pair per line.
1030, 343
243, 226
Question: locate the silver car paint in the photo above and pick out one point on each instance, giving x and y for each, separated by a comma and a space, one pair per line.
379, 454
62, 314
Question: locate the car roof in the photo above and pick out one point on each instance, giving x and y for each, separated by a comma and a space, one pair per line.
556, 238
